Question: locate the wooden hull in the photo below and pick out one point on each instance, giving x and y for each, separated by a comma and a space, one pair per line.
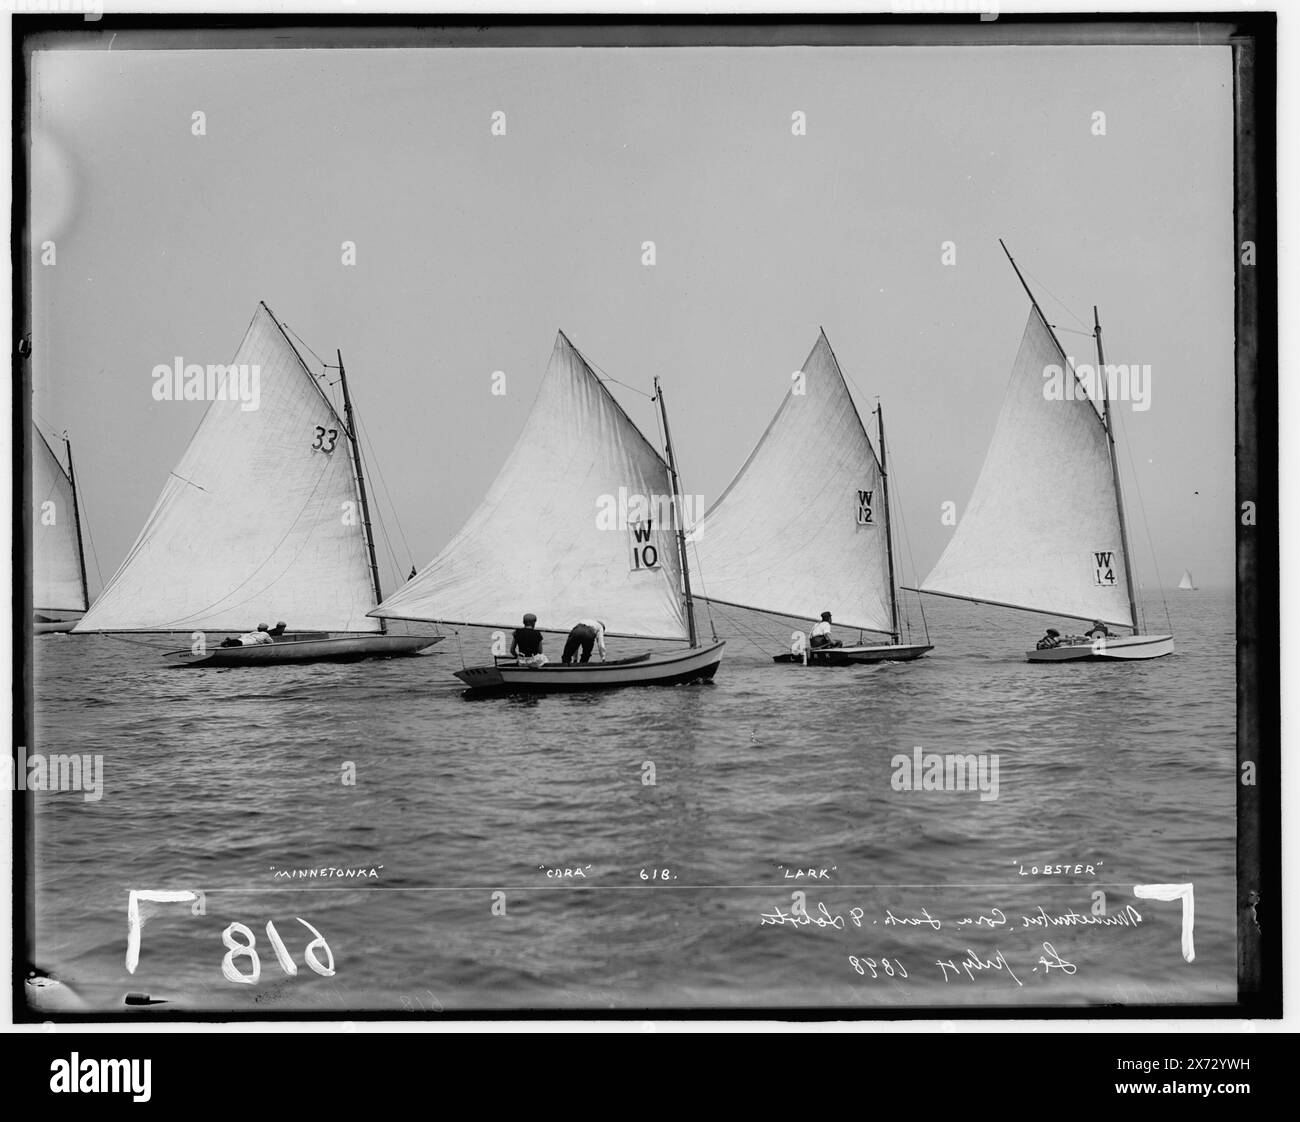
348, 648
851, 656
694, 664
53, 627
1128, 648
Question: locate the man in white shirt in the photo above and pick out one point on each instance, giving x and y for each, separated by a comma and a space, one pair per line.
821, 634
251, 638
586, 633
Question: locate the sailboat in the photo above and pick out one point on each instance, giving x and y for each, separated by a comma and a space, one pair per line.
1045, 530
583, 521
1187, 584
265, 516
805, 525
58, 560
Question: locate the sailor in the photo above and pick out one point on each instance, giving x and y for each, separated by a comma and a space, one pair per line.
1051, 639
585, 633
251, 638
821, 634
277, 632
527, 642
1099, 631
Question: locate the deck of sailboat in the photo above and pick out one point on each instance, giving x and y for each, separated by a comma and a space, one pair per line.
343, 648
1126, 648
671, 668
857, 655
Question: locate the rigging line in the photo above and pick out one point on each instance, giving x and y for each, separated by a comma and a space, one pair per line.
1151, 546
398, 571
189, 481
708, 605
609, 377
383, 529
138, 642
745, 633
376, 469
679, 515
304, 342
911, 560
1061, 303
223, 603
85, 521
378, 512
862, 394
99, 573
899, 507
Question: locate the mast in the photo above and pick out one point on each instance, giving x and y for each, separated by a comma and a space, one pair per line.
76, 518
1025, 285
1114, 470
889, 538
361, 488
677, 509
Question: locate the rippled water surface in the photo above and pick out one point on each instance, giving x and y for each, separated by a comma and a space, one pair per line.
217, 781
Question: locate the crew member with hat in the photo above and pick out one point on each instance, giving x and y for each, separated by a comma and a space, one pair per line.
821, 634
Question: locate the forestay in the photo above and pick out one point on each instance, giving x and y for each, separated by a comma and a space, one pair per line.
258, 522
801, 529
577, 524
56, 551
1041, 530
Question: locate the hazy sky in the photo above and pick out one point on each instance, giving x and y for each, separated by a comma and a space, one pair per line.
472, 249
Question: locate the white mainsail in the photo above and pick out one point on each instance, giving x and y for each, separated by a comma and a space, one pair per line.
801, 529
1187, 584
572, 527
258, 522
58, 583
1042, 528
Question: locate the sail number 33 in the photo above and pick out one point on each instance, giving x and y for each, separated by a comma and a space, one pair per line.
325, 440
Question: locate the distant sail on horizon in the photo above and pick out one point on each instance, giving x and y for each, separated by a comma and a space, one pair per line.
1042, 529
258, 521
537, 542
800, 529
1187, 584
58, 563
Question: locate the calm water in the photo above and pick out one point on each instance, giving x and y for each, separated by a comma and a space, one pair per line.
216, 780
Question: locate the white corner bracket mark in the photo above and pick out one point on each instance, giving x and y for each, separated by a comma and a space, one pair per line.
1174, 892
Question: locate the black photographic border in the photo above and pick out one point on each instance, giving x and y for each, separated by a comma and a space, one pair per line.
1253, 41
